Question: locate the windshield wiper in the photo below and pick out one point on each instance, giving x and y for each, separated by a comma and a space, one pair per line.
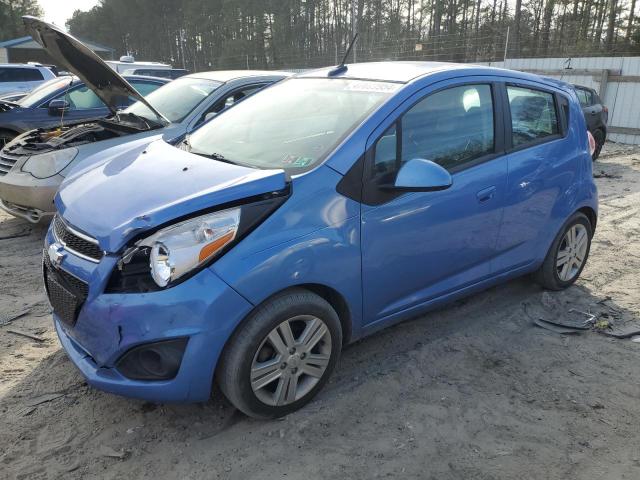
213, 156
148, 123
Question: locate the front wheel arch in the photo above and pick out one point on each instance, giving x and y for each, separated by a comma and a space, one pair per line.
230, 373
329, 294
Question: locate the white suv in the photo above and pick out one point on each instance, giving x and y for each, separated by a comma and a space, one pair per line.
22, 77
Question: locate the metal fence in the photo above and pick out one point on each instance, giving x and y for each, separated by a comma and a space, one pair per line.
616, 79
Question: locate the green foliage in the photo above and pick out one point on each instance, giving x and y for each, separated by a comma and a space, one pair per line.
11, 12
213, 34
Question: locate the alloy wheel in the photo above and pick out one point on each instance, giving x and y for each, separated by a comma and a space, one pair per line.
572, 252
291, 360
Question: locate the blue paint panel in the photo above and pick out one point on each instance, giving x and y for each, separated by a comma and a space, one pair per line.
154, 186
204, 309
387, 261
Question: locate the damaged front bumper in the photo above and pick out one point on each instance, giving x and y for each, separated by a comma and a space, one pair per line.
25, 196
204, 311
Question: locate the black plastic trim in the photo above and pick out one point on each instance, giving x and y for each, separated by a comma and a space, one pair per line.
351, 183
130, 363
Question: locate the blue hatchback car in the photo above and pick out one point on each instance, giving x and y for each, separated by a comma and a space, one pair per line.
340, 202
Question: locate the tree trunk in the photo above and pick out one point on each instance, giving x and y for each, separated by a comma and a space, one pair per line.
611, 24
516, 34
630, 24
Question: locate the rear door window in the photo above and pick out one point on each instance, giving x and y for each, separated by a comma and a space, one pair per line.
20, 75
228, 101
585, 97
145, 88
452, 127
582, 97
533, 115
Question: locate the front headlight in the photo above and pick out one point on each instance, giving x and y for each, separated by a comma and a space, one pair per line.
49, 164
172, 254
178, 249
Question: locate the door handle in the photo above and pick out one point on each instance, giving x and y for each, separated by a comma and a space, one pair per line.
486, 194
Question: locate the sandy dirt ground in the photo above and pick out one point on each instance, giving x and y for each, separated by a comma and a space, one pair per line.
472, 391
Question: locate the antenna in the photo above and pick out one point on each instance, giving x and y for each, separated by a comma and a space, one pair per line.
342, 67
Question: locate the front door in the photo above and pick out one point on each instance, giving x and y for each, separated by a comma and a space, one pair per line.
417, 246
83, 104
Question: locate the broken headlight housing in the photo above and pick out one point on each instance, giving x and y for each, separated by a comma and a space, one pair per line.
178, 249
175, 252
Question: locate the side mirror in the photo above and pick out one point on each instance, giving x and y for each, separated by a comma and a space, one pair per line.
209, 116
422, 175
56, 107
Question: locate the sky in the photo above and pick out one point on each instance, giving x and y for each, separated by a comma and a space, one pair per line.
59, 11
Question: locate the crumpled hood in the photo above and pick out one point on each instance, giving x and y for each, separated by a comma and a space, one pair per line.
147, 187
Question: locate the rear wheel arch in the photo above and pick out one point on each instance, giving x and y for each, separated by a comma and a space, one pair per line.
591, 215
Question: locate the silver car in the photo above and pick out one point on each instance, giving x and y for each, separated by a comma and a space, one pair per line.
34, 164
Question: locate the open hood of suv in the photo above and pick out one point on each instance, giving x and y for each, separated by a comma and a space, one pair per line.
151, 185
71, 54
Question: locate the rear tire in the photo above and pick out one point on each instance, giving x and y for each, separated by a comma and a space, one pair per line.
599, 138
568, 254
281, 355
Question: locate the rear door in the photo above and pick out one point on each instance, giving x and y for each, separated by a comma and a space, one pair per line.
83, 104
591, 109
542, 168
417, 246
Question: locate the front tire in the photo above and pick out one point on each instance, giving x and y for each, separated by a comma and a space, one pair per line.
568, 254
282, 355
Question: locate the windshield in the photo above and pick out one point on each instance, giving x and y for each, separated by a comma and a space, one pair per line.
292, 125
44, 90
176, 99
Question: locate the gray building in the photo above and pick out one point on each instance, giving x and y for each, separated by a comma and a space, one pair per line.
25, 49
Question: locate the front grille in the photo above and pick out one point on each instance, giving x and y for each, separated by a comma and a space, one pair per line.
66, 293
6, 163
75, 242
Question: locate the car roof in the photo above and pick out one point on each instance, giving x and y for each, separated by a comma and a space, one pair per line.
228, 75
145, 77
405, 72
23, 65
157, 69
76, 80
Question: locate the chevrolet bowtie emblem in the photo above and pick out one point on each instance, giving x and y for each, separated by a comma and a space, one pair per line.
56, 254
